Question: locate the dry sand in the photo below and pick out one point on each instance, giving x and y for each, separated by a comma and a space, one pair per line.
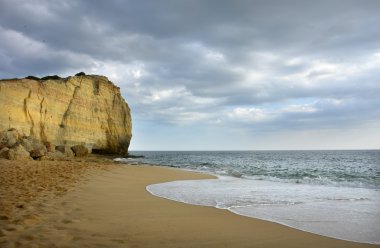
110, 207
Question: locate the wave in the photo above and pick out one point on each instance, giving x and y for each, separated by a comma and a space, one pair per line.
355, 169
344, 213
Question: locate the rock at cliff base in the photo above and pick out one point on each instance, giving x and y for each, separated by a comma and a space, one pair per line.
65, 150
57, 155
9, 138
27, 144
31, 144
54, 156
80, 150
49, 146
60, 148
35, 147
38, 152
18, 153
69, 153
4, 153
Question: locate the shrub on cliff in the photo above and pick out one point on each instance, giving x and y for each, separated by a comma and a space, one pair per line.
80, 74
33, 78
54, 77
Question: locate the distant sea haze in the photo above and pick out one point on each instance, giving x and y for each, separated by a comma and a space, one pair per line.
332, 193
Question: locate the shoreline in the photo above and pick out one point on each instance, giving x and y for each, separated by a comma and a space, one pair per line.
111, 207
152, 189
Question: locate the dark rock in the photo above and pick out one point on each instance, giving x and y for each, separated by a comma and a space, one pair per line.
4, 153
80, 150
102, 152
60, 148
135, 156
4, 217
38, 152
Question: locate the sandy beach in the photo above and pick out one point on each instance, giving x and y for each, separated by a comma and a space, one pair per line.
92, 204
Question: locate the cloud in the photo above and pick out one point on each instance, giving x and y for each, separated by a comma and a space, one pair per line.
278, 65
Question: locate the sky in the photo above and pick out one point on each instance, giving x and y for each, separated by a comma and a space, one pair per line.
214, 74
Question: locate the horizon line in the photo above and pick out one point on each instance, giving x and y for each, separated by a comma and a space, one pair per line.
252, 150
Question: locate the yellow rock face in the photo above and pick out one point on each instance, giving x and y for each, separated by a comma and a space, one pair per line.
86, 110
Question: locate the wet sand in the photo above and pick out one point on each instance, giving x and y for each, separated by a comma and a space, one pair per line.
85, 204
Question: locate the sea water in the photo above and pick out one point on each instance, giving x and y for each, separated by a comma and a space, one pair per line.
332, 193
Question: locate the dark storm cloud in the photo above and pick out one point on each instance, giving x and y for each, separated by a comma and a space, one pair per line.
234, 62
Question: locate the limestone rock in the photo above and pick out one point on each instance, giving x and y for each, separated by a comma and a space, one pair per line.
80, 150
34, 146
27, 144
83, 109
49, 146
48, 156
38, 152
30, 144
18, 153
57, 155
61, 148
53, 156
65, 150
9, 138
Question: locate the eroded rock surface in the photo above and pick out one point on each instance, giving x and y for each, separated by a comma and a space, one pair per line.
80, 110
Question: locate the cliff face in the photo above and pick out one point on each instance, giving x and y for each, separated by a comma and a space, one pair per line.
87, 110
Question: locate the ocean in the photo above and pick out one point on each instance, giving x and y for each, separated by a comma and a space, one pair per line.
332, 193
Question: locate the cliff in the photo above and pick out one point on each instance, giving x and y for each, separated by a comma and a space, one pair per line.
84, 109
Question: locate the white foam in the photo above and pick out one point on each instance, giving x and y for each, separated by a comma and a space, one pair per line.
130, 161
123, 160
340, 212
